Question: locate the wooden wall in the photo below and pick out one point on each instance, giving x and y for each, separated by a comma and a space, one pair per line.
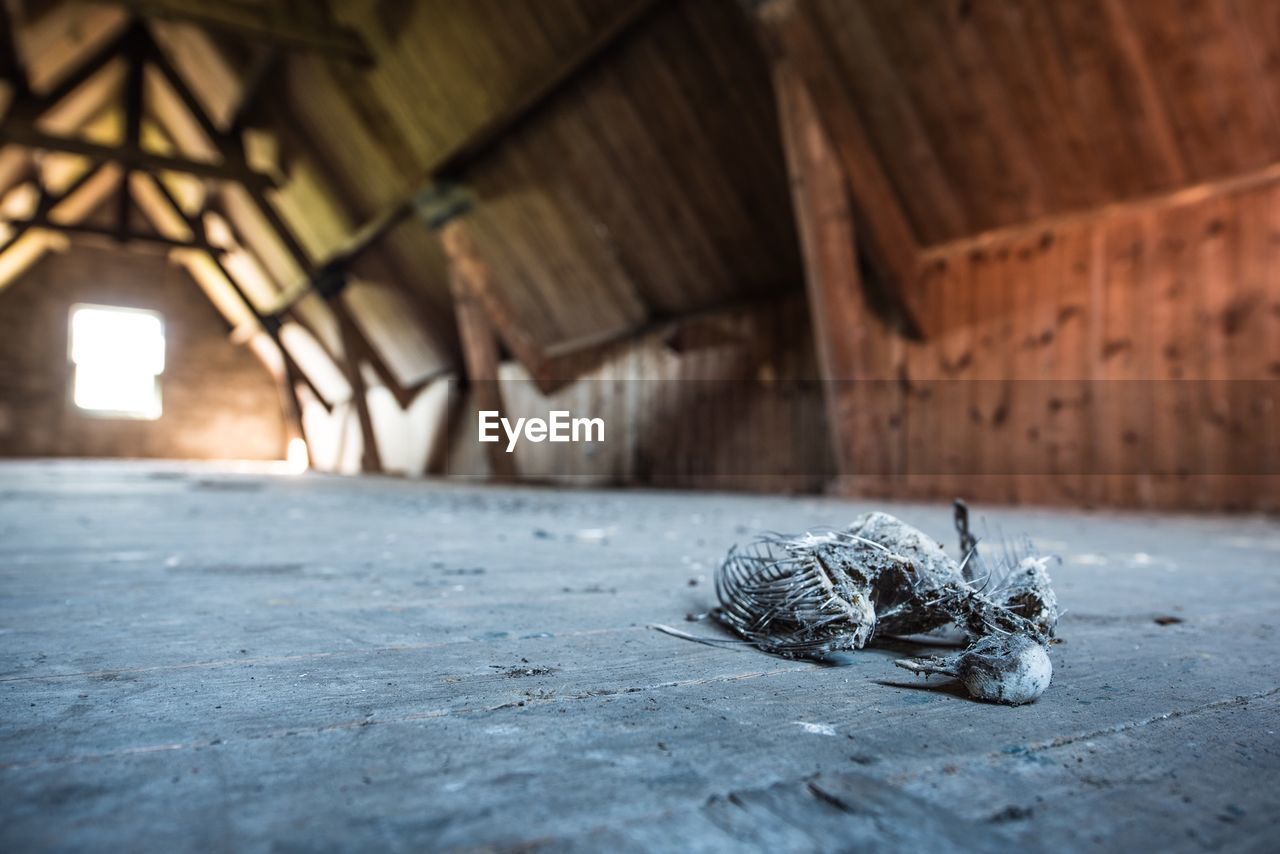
730, 400
1130, 359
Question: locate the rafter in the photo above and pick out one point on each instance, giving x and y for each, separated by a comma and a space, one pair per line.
474, 144
471, 274
350, 365
792, 35
131, 157
136, 46
48, 201
11, 69
218, 137
114, 232
283, 25
134, 54
255, 81
480, 357
88, 67
270, 325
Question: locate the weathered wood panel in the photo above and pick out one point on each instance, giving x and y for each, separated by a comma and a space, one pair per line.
730, 401
1123, 361
992, 112
653, 185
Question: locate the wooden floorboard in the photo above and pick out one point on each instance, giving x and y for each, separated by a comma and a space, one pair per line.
194, 659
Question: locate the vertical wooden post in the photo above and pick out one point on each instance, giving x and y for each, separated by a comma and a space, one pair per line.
479, 342
793, 35
852, 343
829, 245
371, 460
289, 398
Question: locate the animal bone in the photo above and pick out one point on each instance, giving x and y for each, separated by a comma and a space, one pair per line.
1010, 669
811, 595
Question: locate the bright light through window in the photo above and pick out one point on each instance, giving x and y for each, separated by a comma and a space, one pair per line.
117, 356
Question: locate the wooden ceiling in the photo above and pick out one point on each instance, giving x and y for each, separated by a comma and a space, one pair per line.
650, 186
987, 113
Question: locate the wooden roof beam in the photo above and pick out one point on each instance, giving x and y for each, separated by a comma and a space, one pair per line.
114, 232
48, 201
268, 323
792, 35
434, 186
481, 359
470, 273
11, 70
288, 26
1153, 203
264, 66
91, 65
25, 134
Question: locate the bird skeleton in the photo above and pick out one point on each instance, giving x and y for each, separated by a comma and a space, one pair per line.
830, 591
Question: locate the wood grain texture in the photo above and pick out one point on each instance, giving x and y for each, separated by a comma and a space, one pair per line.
451, 667
1121, 361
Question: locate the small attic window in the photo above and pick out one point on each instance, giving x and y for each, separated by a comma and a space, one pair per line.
117, 356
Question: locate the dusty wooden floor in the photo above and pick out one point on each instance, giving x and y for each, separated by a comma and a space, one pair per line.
192, 660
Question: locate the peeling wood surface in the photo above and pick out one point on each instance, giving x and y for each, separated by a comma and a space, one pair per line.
165, 683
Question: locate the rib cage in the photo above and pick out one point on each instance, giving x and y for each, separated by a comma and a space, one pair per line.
829, 591
783, 596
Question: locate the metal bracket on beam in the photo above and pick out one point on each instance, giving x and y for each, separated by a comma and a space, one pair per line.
439, 203
330, 281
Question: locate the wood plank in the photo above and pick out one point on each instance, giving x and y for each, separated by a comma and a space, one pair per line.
1155, 110
1269, 352
1032, 309
1193, 195
790, 32
1051, 62
952, 370
1253, 397
877, 80
828, 241
1070, 408
1215, 288
268, 23
471, 269
475, 142
921, 59
17, 132
1256, 27
1007, 32
87, 68
1170, 316
1209, 88
976, 66
480, 356
1122, 441
371, 460
1105, 98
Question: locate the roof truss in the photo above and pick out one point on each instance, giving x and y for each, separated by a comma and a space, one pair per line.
303, 26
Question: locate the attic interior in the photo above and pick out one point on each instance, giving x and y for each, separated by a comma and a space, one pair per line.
291, 554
